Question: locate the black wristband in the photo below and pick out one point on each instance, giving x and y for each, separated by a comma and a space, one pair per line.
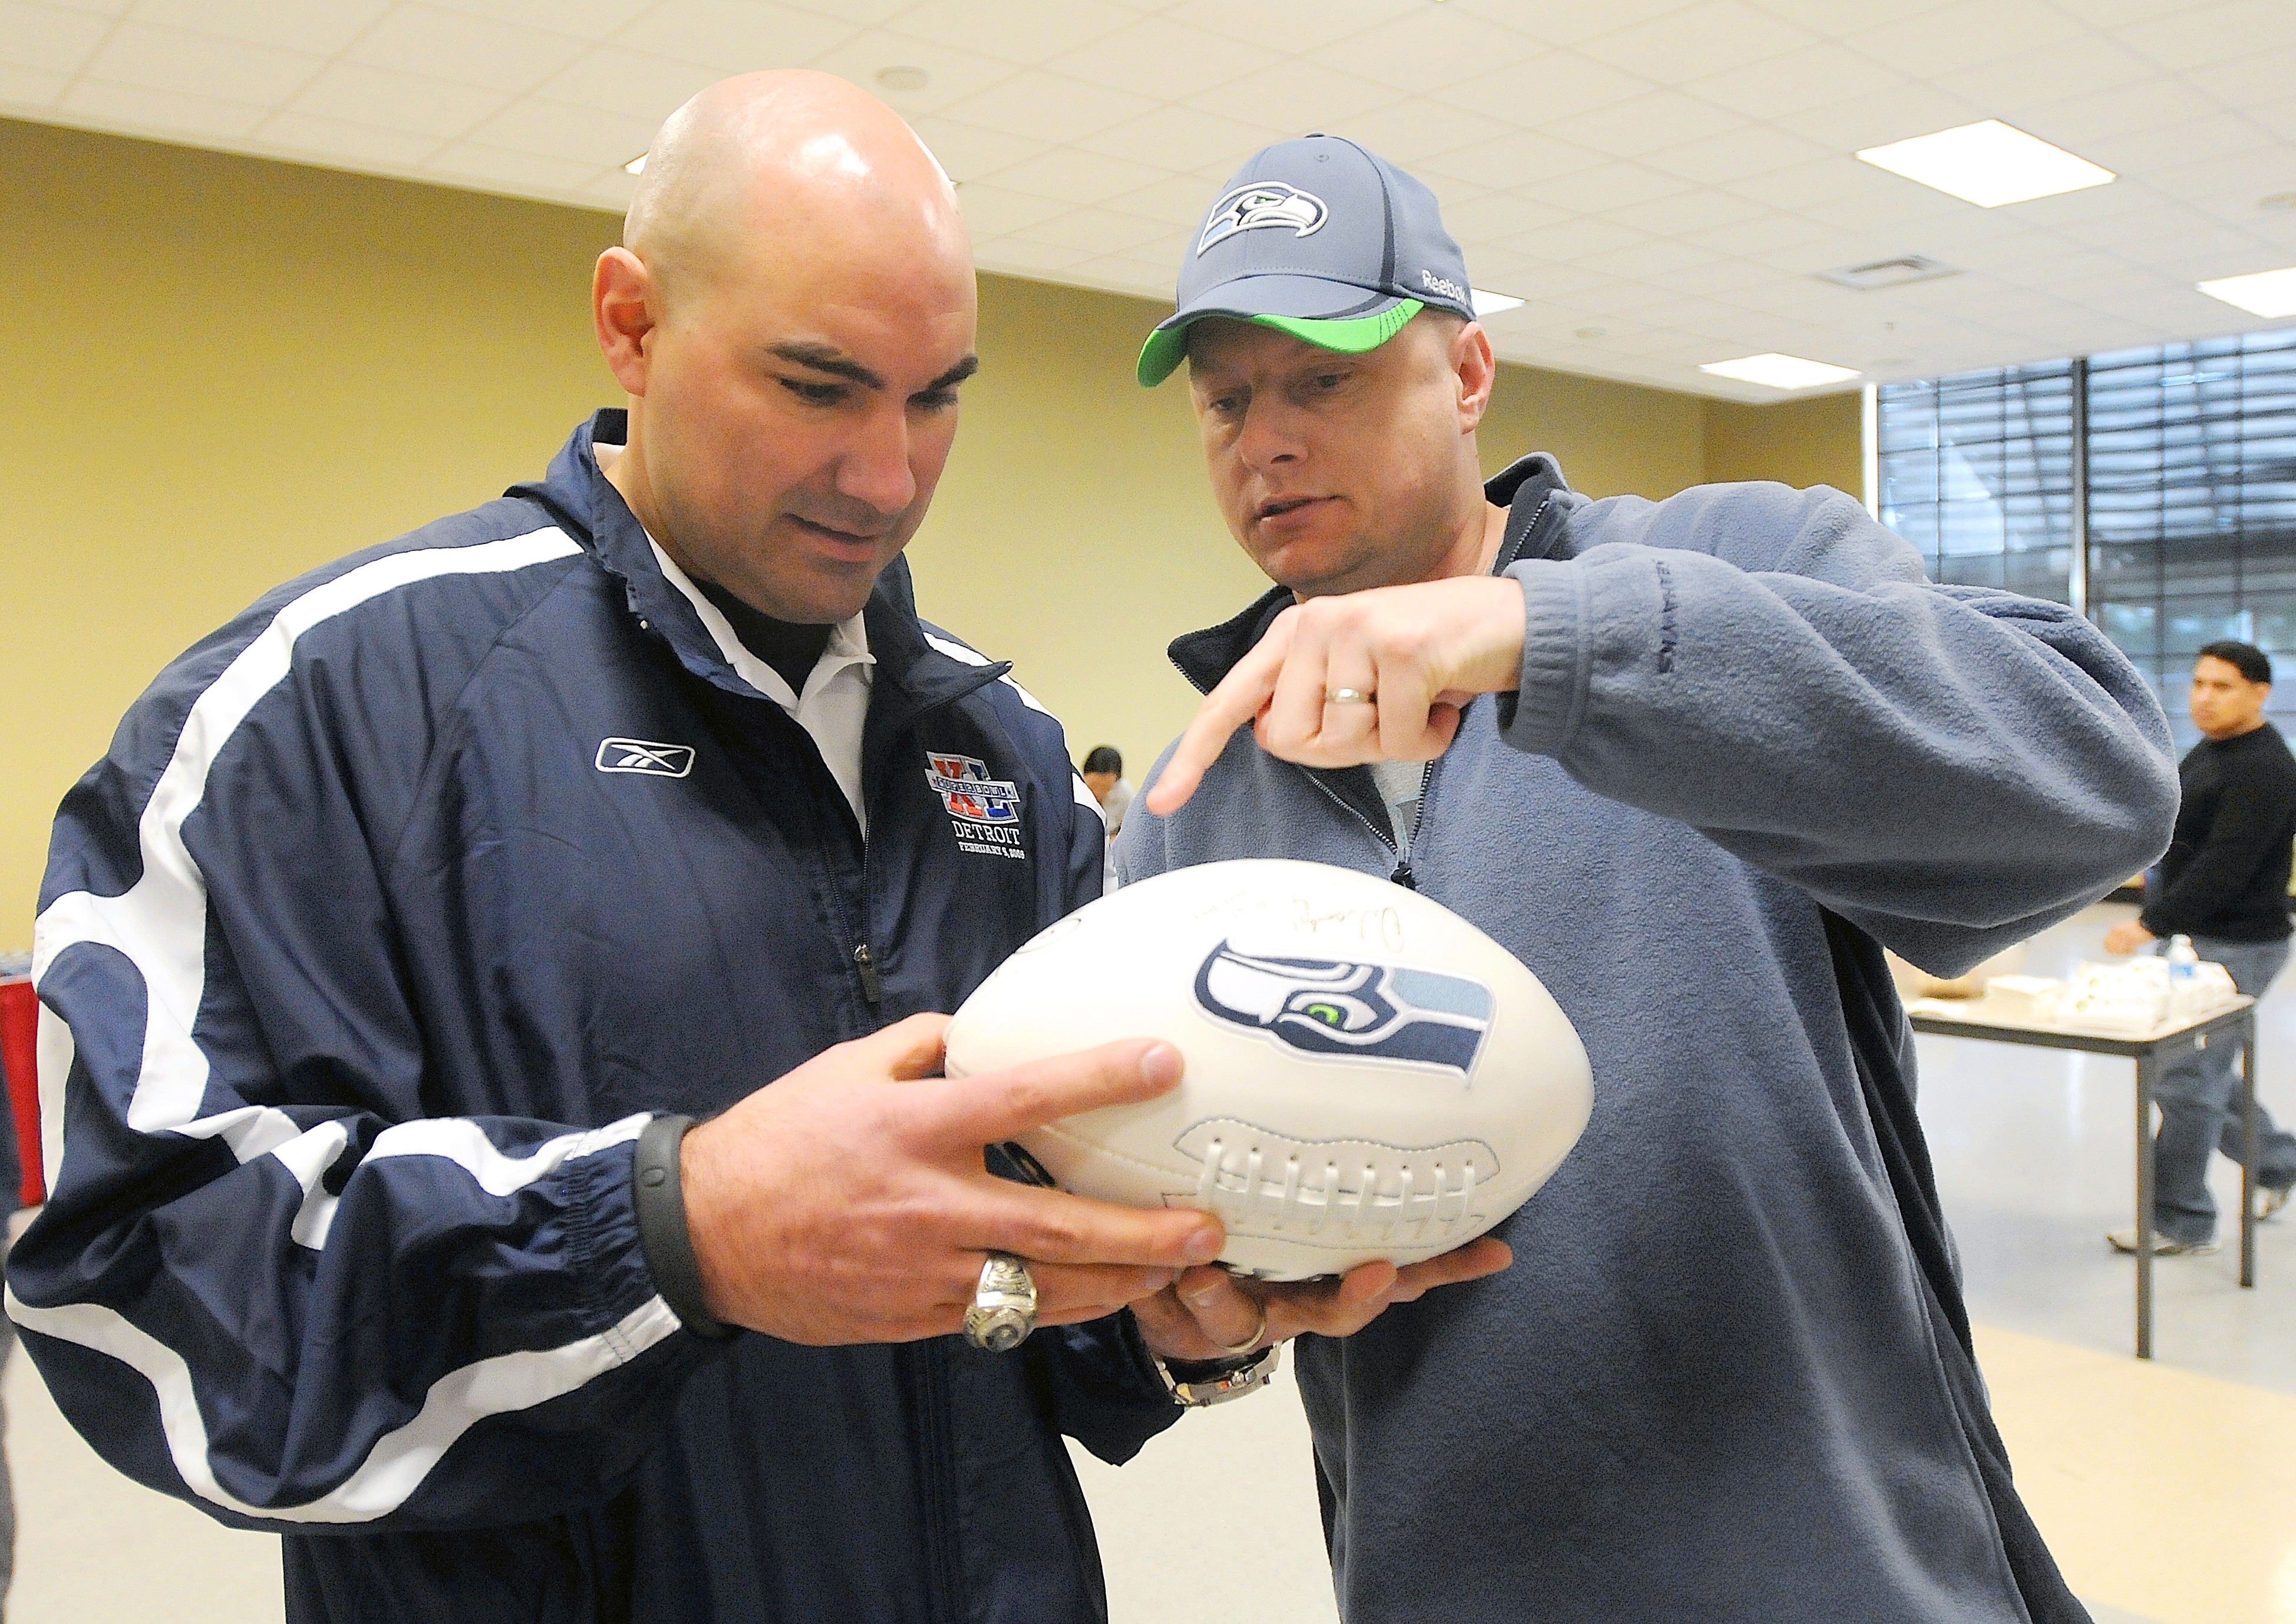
659, 1196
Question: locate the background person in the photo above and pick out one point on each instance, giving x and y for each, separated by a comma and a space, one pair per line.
2224, 882
1693, 762
414, 913
1103, 775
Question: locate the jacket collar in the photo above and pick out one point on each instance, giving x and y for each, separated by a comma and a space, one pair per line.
584, 503
1527, 488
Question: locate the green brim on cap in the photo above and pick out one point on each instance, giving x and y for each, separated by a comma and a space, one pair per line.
1167, 347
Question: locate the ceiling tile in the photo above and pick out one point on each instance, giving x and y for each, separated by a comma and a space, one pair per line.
2247, 81
1640, 260
1048, 107
1404, 132
2011, 84
1610, 187
1689, 211
225, 70
1179, 202
325, 30
1496, 215
735, 36
30, 88
1512, 160
1027, 258
1572, 240
1736, 155
1296, 95
1885, 116
2076, 121
337, 139
91, 8
397, 101
1102, 231
2222, 32
992, 211
2221, 143
137, 107
990, 25
1076, 179
40, 37
1772, 234
1816, 76
1301, 25
1663, 119
490, 167
1432, 49
1182, 138
1962, 36
1563, 84
955, 74
498, 56
592, 20
634, 84
559, 129
1157, 53
1823, 180
1708, 37
967, 152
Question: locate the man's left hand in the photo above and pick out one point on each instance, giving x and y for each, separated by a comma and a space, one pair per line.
2128, 935
1209, 1314
1417, 652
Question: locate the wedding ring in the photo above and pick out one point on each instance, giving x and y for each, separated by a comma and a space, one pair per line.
1251, 1342
1004, 1308
1351, 696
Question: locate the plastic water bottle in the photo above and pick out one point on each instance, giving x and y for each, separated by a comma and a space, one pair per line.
2183, 974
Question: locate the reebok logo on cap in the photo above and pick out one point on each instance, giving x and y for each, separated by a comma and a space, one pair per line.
1267, 202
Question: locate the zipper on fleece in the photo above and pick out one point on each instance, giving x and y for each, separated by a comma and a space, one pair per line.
937, 1460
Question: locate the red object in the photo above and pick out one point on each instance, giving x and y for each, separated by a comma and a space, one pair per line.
20, 1028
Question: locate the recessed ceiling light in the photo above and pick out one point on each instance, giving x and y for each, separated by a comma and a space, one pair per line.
2260, 293
904, 78
636, 165
1776, 371
1488, 303
1989, 163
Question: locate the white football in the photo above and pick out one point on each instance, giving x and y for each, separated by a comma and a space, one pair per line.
1368, 1075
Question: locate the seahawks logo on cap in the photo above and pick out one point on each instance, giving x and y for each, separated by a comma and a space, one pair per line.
1263, 202
1351, 1008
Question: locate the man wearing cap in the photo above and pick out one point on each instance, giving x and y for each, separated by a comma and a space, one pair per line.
1695, 762
414, 914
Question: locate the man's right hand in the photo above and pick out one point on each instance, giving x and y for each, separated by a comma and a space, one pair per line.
847, 1202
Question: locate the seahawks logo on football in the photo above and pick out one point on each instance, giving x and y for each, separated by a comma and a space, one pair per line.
1350, 1008
1264, 202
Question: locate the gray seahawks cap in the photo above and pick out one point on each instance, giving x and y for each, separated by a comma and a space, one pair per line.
1320, 239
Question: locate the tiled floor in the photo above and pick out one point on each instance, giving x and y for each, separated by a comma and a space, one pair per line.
2168, 1490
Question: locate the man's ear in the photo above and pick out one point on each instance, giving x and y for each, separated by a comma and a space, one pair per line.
1477, 370
622, 298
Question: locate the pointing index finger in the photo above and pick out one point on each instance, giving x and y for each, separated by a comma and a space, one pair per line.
1237, 699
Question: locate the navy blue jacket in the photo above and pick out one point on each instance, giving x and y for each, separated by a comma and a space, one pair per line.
366, 954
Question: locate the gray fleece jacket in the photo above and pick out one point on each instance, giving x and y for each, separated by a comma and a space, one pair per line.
1728, 1380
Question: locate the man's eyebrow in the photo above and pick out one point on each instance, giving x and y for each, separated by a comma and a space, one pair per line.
955, 374
827, 358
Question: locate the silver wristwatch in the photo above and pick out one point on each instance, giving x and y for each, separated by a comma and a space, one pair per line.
1222, 1384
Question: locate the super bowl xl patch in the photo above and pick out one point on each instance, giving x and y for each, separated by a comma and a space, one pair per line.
983, 812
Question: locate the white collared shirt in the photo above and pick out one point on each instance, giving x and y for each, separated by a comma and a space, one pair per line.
835, 704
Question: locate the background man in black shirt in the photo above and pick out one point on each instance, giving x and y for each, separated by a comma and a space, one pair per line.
2224, 882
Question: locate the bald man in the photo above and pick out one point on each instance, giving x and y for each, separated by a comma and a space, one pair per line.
416, 915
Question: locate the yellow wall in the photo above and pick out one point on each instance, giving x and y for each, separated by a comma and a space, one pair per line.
229, 370
1801, 442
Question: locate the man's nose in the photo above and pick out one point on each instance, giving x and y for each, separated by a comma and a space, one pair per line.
873, 466
1270, 435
